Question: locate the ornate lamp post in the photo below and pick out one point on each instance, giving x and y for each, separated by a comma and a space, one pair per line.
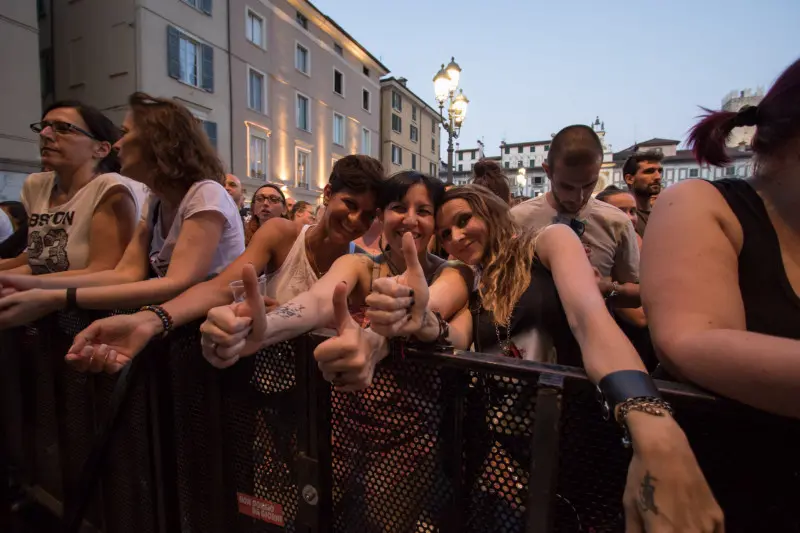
445, 85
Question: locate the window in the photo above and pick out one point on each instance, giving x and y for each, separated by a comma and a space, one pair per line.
460, 156
338, 82
303, 112
397, 123
533, 148
365, 71
413, 133
461, 168
413, 161
258, 157
255, 90
532, 162
301, 59
472, 155
254, 29
519, 163
189, 61
41, 9
338, 49
538, 180
507, 164
414, 113
508, 150
366, 100
432, 170
301, 20
338, 129
519, 149
433, 127
546, 147
693, 172
366, 141
433, 145
200, 5
397, 101
397, 155
302, 167
730, 171
211, 131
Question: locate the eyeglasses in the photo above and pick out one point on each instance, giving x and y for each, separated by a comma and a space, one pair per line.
274, 200
60, 127
577, 226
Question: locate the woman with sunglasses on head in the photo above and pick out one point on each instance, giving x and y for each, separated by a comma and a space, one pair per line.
190, 228
268, 202
82, 213
293, 258
537, 292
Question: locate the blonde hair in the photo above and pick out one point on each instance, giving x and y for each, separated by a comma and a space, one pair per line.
508, 255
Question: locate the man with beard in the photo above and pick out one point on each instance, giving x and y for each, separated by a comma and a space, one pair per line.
573, 168
642, 172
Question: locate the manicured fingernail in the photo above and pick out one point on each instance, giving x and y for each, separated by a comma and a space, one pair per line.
408, 317
411, 293
408, 310
413, 301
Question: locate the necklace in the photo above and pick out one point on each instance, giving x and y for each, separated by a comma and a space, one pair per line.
507, 345
312, 261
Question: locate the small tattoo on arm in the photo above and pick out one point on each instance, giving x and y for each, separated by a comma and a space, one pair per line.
289, 310
647, 494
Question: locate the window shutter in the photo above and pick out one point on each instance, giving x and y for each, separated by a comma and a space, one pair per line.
205, 6
173, 53
208, 68
211, 131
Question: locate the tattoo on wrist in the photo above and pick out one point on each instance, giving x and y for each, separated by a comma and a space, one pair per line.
289, 310
647, 494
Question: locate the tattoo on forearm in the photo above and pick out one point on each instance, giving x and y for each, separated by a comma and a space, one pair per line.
289, 310
647, 494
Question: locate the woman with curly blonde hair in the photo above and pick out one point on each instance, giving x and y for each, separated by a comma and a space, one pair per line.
189, 231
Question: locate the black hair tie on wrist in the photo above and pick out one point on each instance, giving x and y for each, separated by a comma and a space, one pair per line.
747, 116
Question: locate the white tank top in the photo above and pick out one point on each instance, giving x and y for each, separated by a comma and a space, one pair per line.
58, 237
295, 275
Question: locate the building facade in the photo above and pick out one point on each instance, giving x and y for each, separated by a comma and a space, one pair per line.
21, 103
281, 89
410, 130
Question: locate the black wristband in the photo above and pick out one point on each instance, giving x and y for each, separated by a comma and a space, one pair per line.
72, 298
617, 387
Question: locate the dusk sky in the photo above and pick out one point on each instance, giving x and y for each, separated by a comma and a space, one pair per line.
531, 67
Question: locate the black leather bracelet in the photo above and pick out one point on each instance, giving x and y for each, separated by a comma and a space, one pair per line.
72, 298
623, 385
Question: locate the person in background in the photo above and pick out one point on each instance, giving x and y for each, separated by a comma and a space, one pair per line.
642, 172
573, 168
535, 287
632, 321
234, 187
370, 242
293, 259
319, 212
82, 214
18, 241
268, 202
721, 263
302, 214
190, 229
6, 226
290, 203
489, 174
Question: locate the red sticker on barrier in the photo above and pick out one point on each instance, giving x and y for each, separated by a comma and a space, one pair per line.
266, 511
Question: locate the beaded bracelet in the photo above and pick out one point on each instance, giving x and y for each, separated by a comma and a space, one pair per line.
161, 313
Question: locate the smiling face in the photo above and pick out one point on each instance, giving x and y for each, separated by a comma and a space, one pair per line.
348, 215
413, 213
463, 234
71, 148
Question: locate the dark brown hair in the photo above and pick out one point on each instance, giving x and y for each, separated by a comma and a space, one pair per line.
489, 174
98, 125
777, 121
253, 223
575, 145
174, 146
631, 166
358, 174
299, 207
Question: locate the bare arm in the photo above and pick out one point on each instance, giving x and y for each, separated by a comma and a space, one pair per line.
633, 316
16, 264
692, 299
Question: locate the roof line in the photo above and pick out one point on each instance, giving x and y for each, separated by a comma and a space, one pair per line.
426, 104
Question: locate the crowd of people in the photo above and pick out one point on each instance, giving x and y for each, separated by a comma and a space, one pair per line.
145, 217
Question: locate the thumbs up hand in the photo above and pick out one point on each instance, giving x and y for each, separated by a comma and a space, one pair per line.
348, 360
397, 305
236, 330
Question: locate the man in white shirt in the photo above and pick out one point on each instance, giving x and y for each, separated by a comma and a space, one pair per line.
573, 168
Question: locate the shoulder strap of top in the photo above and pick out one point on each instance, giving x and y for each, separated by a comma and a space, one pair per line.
352, 247
746, 205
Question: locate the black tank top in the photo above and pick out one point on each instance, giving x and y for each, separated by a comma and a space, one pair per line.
540, 307
771, 306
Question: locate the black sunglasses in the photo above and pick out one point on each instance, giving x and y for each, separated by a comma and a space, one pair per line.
60, 127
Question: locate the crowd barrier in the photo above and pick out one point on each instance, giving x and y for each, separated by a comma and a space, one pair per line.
450, 442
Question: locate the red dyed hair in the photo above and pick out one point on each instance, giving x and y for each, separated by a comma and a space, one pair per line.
777, 122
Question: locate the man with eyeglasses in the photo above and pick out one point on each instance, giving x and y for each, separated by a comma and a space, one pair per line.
573, 168
642, 172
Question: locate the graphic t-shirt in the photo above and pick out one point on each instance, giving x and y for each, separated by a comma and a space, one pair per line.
608, 234
202, 196
59, 236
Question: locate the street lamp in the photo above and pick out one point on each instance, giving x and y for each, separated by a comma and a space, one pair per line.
445, 85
